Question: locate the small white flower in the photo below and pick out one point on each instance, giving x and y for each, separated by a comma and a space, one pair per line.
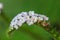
19, 16
19, 24
36, 14
45, 17
1, 5
34, 18
31, 13
12, 24
39, 15
26, 18
15, 26
14, 19
24, 13
23, 20
16, 23
40, 18
29, 22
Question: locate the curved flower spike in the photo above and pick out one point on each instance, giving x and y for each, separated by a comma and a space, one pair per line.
27, 17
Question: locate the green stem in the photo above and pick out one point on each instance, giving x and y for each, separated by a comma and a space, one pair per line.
4, 16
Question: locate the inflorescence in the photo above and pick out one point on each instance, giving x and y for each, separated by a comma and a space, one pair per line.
26, 17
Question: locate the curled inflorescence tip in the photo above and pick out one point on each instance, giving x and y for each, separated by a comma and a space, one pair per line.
27, 17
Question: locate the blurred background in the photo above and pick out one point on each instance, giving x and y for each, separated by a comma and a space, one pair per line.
50, 8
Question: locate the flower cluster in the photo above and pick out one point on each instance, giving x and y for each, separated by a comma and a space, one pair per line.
26, 17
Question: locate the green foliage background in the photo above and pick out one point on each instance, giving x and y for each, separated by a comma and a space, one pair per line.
50, 8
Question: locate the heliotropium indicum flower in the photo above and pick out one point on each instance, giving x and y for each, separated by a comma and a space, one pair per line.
27, 17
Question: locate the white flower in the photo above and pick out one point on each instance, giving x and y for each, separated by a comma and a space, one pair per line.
1, 5
19, 24
16, 27
17, 20
42, 15
36, 14
34, 19
45, 17
14, 19
31, 13
23, 14
40, 18
26, 18
13, 22
23, 20
39, 15
29, 22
